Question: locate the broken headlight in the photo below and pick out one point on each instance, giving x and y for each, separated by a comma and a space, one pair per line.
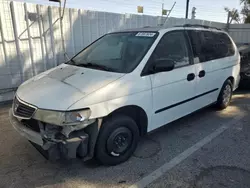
63, 118
76, 117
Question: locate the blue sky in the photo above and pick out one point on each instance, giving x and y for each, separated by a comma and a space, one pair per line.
205, 9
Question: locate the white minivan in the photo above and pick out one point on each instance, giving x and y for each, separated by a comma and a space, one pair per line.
122, 86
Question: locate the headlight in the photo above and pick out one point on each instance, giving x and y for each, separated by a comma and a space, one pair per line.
63, 118
76, 117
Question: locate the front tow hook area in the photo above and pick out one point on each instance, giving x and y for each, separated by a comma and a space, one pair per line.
68, 149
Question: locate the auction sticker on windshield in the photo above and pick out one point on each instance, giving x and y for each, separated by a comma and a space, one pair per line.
145, 34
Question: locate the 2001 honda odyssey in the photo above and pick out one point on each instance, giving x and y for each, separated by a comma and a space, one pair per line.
122, 86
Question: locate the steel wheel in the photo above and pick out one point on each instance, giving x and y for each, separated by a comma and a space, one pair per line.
225, 95
119, 141
227, 92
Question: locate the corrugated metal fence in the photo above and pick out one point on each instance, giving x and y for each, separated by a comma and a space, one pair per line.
30, 37
240, 33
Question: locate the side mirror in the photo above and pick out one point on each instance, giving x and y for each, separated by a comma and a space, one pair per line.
163, 65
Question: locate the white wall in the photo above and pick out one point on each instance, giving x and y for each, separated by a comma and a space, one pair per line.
240, 32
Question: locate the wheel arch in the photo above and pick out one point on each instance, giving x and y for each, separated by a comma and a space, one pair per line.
137, 113
232, 80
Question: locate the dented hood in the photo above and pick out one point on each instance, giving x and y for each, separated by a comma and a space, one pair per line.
59, 88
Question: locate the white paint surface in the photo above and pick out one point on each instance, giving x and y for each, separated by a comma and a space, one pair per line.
163, 96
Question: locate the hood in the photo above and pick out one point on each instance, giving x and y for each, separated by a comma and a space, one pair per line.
59, 88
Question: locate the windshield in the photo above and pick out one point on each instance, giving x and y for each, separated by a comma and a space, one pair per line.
116, 52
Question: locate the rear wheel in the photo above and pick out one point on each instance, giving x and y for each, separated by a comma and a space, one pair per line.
225, 95
117, 140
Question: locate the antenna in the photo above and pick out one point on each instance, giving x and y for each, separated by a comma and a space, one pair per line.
169, 13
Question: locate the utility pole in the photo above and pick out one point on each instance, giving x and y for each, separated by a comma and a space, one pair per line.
187, 6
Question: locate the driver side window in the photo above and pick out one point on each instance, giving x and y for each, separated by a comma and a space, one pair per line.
172, 46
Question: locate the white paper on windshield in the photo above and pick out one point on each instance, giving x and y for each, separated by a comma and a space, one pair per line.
145, 34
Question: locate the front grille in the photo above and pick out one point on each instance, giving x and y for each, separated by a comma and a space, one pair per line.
31, 124
22, 110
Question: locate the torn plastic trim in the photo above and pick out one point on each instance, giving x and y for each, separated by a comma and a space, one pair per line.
67, 129
69, 149
57, 133
75, 145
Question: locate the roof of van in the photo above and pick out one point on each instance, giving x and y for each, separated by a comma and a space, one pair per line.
143, 29
155, 29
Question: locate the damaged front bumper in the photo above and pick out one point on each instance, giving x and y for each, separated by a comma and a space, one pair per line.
51, 140
24, 131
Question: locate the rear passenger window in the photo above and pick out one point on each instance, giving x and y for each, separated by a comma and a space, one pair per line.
208, 45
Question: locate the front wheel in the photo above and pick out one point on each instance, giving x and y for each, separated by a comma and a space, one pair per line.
225, 95
117, 140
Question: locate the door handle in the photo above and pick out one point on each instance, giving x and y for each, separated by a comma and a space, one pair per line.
190, 76
202, 73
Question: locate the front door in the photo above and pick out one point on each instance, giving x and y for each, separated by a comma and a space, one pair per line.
173, 91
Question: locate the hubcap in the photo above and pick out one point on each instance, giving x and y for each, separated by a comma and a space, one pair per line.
227, 94
119, 141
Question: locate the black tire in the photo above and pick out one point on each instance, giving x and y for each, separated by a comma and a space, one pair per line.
222, 103
107, 150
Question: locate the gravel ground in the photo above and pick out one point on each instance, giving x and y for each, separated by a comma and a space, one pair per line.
224, 162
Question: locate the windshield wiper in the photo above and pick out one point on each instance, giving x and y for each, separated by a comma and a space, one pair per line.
97, 66
72, 62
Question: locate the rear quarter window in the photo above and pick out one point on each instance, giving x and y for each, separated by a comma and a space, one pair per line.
209, 45
226, 42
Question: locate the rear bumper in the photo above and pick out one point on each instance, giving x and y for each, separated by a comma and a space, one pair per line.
75, 145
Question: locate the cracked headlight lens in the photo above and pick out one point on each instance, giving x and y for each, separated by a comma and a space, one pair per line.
76, 117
